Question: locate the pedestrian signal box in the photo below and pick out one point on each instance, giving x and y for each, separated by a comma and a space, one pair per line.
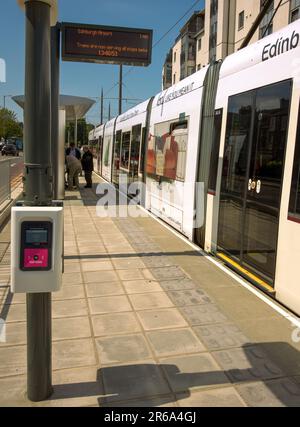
36, 249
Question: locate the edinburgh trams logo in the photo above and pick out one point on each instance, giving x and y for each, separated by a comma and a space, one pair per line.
2, 71
281, 46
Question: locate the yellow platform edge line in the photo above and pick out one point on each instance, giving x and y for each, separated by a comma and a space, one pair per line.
246, 272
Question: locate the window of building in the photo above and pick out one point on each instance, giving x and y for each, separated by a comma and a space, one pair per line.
174, 56
199, 44
294, 206
295, 10
198, 67
174, 79
241, 19
266, 26
294, 15
190, 70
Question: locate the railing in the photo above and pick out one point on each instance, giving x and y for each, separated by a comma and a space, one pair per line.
5, 187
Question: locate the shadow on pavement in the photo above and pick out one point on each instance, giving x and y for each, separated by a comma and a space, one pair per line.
249, 368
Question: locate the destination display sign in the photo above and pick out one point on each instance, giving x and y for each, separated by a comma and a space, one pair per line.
106, 45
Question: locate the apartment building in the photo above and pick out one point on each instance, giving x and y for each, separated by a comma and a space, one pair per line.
221, 30
183, 52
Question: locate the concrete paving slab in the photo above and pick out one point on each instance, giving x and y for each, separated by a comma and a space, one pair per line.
181, 284
96, 265
132, 382
164, 273
16, 313
72, 278
141, 286
72, 268
101, 289
69, 292
127, 263
159, 402
221, 336
122, 349
69, 308
203, 314
114, 324
157, 261
216, 398
73, 353
74, 388
15, 334
186, 373
150, 300
247, 364
13, 361
100, 276
71, 328
189, 297
275, 393
161, 319
172, 342
112, 304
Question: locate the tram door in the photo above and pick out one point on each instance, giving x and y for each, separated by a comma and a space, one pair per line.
256, 136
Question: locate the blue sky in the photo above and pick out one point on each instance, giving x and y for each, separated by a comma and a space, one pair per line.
83, 79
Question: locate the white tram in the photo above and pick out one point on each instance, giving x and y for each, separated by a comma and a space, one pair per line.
234, 128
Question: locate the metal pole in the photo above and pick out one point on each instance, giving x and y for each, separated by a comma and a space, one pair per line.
120, 89
101, 108
55, 147
37, 185
109, 112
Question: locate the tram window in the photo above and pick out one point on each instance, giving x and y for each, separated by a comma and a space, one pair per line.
143, 145
166, 155
178, 125
125, 151
135, 148
215, 151
294, 206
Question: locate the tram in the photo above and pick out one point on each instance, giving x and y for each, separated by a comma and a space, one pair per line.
232, 128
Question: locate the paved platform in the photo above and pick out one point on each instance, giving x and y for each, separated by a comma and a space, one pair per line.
144, 320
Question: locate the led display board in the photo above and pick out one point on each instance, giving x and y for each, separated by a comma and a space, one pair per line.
106, 45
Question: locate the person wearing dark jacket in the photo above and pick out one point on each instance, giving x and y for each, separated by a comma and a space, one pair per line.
73, 151
87, 162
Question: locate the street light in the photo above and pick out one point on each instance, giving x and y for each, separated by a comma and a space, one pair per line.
4, 98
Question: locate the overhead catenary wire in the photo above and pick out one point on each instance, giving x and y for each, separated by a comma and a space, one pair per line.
158, 41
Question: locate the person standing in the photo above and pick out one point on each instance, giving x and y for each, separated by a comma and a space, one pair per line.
74, 169
73, 151
87, 162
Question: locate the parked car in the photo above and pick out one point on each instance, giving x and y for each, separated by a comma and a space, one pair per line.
10, 150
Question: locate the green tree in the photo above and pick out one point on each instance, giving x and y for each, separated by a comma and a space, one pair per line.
9, 125
83, 129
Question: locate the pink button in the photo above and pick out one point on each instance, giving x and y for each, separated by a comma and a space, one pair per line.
36, 258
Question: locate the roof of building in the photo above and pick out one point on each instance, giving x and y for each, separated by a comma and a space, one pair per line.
76, 107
